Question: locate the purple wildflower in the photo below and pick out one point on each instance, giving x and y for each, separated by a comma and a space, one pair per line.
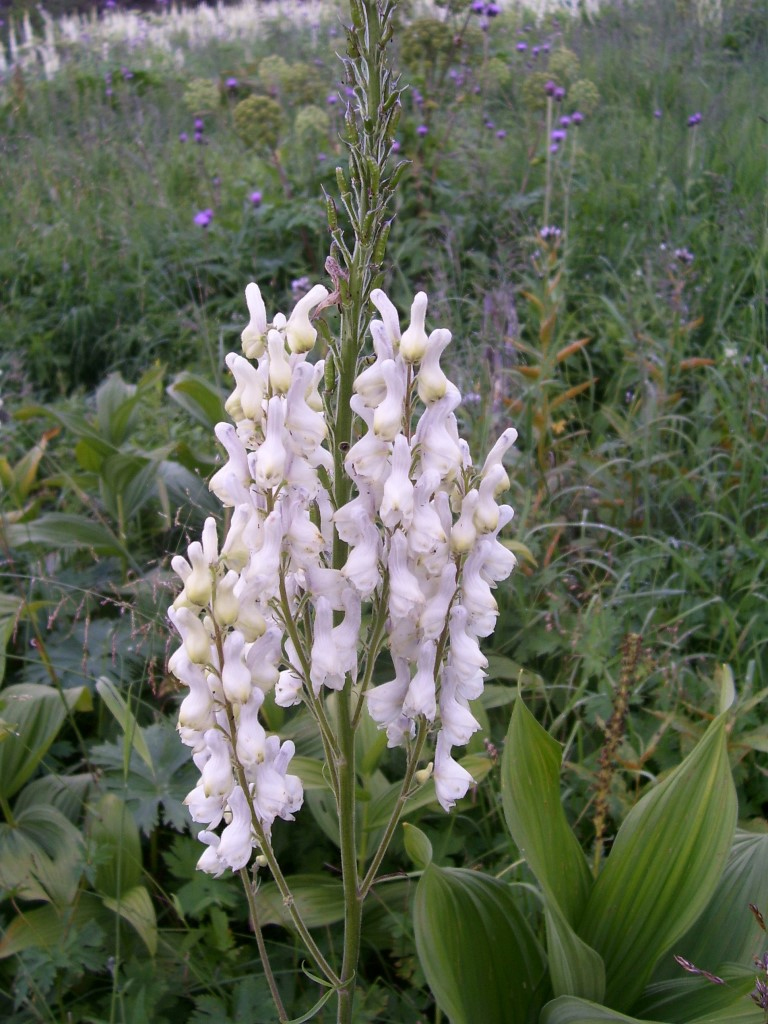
332, 98
521, 47
684, 256
395, 146
255, 198
321, 157
491, 10
550, 87
657, 113
422, 130
501, 134
577, 117
694, 119
231, 83
559, 135
199, 124
559, 94
565, 121
199, 138
203, 218
183, 137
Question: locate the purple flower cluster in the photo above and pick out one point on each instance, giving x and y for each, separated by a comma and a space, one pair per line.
486, 9
694, 119
203, 218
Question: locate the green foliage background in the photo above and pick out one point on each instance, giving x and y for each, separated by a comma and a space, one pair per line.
636, 377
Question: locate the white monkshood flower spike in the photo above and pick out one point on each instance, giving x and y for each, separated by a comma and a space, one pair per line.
269, 609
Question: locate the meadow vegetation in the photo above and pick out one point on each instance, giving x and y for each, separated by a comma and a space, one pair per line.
586, 206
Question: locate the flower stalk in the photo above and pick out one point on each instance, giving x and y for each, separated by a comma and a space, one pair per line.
359, 528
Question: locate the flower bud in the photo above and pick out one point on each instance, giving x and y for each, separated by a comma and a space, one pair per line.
299, 332
254, 334
414, 341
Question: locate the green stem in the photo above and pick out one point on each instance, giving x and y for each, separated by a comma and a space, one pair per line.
394, 818
268, 972
353, 899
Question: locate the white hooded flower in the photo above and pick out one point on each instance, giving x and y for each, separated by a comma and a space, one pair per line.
299, 332
451, 780
414, 341
254, 335
237, 839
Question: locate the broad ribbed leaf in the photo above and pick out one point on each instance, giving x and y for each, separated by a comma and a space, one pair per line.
67, 532
727, 932
663, 868
479, 955
41, 855
200, 398
135, 907
33, 715
685, 998
118, 862
134, 737
530, 790
319, 899
10, 611
417, 846
574, 967
47, 927
570, 1010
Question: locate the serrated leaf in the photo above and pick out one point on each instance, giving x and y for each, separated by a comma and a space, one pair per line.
530, 791
477, 950
34, 714
663, 867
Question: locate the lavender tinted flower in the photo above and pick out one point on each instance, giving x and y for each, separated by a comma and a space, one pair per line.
521, 47
694, 119
550, 88
565, 121
684, 256
559, 135
231, 83
255, 198
203, 218
501, 134
559, 94
657, 113
183, 137
422, 130
577, 117
199, 124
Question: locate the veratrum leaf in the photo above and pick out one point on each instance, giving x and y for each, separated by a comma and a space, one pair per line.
685, 998
319, 898
570, 1010
727, 932
135, 907
33, 715
574, 967
479, 955
530, 791
113, 830
663, 868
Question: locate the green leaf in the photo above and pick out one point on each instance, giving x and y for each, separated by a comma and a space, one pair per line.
200, 398
47, 927
118, 860
417, 846
663, 867
116, 404
41, 855
10, 611
479, 955
530, 791
134, 737
33, 714
575, 968
319, 899
570, 1010
66, 532
726, 931
135, 907
687, 998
